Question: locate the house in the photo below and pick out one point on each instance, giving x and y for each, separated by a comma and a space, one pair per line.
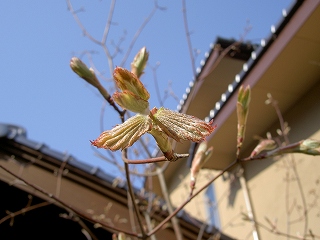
39, 185
277, 196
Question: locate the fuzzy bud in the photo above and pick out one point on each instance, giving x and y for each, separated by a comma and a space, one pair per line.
309, 146
242, 112
265, 144
139, 62
83, 71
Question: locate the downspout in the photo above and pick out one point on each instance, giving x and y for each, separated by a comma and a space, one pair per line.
244, 187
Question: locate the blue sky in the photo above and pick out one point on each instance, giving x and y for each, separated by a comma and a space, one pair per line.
38, 38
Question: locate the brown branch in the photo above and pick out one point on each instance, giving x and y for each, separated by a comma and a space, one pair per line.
278, 151
98, 154
153, 160
94, 40
58, 189
162, 168
24, 210
159, 172
131, 193
160, 225
293, 165
60, 172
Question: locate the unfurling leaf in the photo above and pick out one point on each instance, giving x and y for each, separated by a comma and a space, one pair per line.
126, 80
181, 126
125, 134
132, 102
163, 143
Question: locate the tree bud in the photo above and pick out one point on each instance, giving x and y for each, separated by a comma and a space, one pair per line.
83, 71
139, 62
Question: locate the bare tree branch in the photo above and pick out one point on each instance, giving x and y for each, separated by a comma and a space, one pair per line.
187, 32
160, 225
23, 210
132, 198
68, 207
139, 31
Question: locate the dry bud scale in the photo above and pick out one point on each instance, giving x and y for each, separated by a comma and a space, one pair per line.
161, 123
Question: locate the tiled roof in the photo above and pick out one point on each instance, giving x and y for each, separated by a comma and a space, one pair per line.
19, 135
275, 30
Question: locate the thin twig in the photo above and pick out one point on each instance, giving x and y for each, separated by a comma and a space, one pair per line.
154, 71
144, 161
138, 32
94, 40
187, 32
103, 109
293, 165
146, 149
174, 219
272, 153
24, 210
160, 225
131, 193
59, 179
154, 160
108, 24
83, 29
149, 223
121, 168
68, 207
279, 233
159, 172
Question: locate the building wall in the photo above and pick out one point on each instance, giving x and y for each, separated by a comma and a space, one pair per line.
180, 190
229, 202
280, 189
